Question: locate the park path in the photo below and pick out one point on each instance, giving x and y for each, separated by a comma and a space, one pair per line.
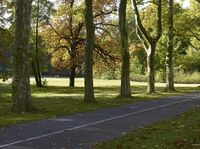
80, 131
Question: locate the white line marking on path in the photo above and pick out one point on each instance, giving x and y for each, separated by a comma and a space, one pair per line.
61, 119
97, 122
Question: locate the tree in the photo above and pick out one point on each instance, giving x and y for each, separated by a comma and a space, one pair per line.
125, 69
64, 35
41, 9
149, 42
6, 44
3, 11
89, 89
21, 93
6, 12
66, 41
169, 54
37, 68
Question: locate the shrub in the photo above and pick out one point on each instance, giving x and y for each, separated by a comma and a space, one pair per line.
110, 75
138, 78
182, 77
160, 76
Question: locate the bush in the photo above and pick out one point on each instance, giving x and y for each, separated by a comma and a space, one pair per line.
138, 78
4, 76
182, 77
179, 77
110, 75
160, 76
189, 63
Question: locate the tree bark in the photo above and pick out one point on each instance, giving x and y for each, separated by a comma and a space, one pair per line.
89, 89
73, 49
21, 94
34, 71
125, 69
72, 76
170, 49
39, 83
151, 69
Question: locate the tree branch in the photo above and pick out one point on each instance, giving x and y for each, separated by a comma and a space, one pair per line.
138, 21
159, 21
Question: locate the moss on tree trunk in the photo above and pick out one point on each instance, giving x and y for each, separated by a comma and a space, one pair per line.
125, 69
21, 94
89, 89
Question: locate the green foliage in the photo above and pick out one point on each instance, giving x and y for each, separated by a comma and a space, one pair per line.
6, 42
138, 60
107, 36
189, 62
160, 76
111, 74
4, 76
45, 11
138, 77
6, 12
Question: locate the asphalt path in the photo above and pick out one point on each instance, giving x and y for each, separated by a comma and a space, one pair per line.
80, 131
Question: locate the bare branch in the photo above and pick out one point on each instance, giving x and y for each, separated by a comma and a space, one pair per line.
194, 35
102, 13
106, 24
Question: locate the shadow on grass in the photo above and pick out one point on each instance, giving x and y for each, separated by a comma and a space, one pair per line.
52, 101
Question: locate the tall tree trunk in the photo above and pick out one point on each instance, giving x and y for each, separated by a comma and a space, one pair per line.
39, 83
89, 89
34, 71
125, 76
149, 41
73, 49
72, 76
21, 94
170, 48
151, 69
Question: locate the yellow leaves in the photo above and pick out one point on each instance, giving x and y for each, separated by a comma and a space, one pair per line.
181, 142
133, 48
181, 126
100, 4
60, 59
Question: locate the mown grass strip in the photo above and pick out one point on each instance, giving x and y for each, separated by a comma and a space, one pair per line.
180, 132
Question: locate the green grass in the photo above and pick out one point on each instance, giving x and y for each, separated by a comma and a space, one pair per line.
181, 132
57, 99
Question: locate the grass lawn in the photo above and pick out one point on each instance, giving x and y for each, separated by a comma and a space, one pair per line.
57, 99
181, 132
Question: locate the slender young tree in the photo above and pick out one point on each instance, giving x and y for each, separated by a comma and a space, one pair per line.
39, 80
41, 11
149, 42
170, 47
89, 89
125, 68
21, 93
